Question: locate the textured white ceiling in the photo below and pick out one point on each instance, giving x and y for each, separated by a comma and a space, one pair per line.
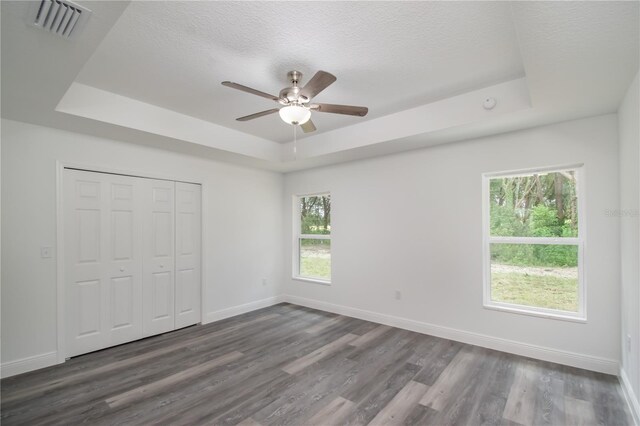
578, 60
578, 54
389, 56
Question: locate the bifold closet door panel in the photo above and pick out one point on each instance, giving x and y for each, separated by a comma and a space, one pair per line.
159, 257
102, 260
188, 254
85, 205
125, 258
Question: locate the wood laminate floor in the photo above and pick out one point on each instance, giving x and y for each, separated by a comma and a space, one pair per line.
289, 365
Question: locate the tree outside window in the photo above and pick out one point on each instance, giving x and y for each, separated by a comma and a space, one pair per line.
314, 237
533, 242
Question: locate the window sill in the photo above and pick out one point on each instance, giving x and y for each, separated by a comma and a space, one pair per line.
514, 309
312, 280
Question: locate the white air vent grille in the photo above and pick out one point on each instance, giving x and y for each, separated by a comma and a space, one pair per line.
60, 17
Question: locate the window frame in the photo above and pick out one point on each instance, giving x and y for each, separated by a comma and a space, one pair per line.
297, 236
579, 241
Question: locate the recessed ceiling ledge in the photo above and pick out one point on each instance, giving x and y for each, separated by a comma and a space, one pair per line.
89, 102
511, 96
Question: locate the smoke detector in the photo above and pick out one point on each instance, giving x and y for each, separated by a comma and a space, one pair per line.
60, 17
489, 103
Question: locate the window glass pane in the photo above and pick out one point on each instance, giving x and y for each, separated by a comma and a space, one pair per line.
537, 205
543, 276
315, 258
315, 215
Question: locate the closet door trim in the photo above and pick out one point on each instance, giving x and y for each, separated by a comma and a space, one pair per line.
60, 166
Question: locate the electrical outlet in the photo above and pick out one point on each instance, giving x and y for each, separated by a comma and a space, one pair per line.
264, 281
398, 295
45, 252
628, 343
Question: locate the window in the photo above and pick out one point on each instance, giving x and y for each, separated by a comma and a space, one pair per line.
313, 238
534, 240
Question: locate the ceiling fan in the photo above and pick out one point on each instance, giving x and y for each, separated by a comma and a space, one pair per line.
296, 109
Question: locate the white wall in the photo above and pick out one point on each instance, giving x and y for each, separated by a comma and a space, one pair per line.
399, 222
628, 116
242, 221
413, 222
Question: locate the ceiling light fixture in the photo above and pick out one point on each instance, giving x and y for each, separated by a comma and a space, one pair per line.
295, 114
297, 109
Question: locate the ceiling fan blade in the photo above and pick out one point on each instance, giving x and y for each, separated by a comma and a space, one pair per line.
317, 84
341, 109
308, 127
257, 114
249, 90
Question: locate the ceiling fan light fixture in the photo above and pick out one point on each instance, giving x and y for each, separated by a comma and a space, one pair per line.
294, 99
294, 114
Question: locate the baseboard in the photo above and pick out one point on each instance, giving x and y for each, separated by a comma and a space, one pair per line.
19, 366
602, 365
241, 309
630, 396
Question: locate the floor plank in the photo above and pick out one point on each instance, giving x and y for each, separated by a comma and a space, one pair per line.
420, 415
520, 406
172, 380
444, 389
328, 349
381, 393
325, 324
249, 422
395, 412
318, 385
371, 335
436, 359
579, 413
333, 413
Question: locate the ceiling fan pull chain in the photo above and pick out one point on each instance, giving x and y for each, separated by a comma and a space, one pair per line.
295, 143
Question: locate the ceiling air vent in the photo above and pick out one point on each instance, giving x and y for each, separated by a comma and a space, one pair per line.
60, 17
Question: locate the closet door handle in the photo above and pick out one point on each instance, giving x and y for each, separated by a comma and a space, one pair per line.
162, 266
121, 269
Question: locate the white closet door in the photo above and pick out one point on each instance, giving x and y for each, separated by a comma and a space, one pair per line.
103, 262
85, 243
125, 258
158, 297
188, 254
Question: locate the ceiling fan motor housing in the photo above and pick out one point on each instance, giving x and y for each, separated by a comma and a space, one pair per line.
292, 95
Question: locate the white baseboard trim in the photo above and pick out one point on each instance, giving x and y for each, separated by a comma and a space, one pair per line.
630, 396
587, 362
241, 309
19, 366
